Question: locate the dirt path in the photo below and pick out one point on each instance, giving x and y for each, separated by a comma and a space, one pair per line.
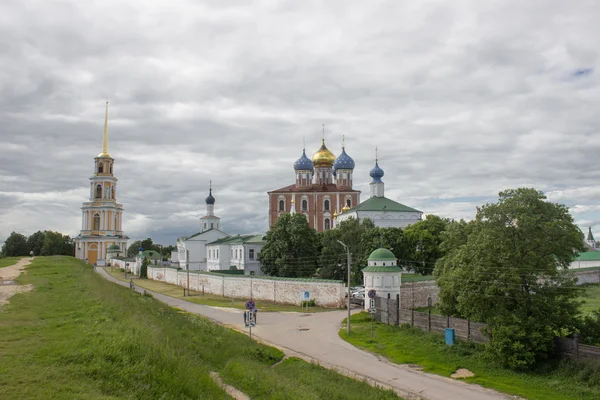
8, 286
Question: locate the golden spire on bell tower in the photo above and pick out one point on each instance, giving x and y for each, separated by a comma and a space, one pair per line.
105, 138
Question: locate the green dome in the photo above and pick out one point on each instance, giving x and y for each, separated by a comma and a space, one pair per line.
382, 255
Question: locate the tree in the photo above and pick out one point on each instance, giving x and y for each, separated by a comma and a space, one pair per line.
333, 257
134, 248
55, 243
425, 238
148, 244
290, 249
35, 242
15, 246
144, 268
507, 268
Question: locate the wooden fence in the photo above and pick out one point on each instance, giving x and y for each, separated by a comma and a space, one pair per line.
389, 313
572, 349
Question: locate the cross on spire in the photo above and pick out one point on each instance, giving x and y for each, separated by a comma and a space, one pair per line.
376, 153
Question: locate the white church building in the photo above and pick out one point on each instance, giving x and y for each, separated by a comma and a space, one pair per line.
191, 250
384, 212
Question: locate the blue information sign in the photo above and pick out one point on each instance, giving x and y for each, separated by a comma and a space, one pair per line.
372, 293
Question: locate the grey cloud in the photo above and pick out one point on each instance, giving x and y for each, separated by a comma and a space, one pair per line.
463, 99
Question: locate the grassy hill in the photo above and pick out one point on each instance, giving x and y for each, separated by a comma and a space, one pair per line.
78, 336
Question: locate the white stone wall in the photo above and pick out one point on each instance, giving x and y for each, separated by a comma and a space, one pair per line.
584, 264
325, 293
390, 219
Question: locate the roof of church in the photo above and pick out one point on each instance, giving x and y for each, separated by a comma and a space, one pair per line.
382, 268
381, 204
588, 256
202, 233
590, 236
331, 187
239, 239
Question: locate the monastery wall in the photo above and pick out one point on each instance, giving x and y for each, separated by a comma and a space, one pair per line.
415, 294
325, 293
587, 277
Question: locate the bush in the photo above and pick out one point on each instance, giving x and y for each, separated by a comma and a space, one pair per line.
589, 328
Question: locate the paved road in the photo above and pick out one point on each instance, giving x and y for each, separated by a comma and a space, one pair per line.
315, 337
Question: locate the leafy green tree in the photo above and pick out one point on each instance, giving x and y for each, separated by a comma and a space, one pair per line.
333, 257
35, 242
15, 245
290, 249
55, 243
134, 248
148, 244
424, 238
508, 268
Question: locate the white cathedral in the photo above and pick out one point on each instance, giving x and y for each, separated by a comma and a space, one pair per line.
384, 212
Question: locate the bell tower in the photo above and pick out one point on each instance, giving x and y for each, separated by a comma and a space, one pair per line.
101, 224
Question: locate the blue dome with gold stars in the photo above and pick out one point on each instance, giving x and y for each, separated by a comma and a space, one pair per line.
344, 161
304, 163
376, 173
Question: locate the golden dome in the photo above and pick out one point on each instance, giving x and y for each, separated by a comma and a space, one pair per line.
323, 157
346, 208
335, 214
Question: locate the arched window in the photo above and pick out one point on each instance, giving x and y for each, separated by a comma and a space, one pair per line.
349, 202
305, 205
326, 205
100, 168
281, 205
96, 226
327, 224
111, 168
98, 191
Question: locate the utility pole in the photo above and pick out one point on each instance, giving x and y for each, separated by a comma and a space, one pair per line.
187, 262
349, 262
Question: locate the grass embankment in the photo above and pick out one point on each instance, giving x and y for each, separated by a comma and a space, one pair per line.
590, 295
79, 336
209, 299
8, 261
404, 345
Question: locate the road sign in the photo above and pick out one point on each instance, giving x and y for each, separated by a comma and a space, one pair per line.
305, 295
372, 303
372, 310
372, 293
250, 305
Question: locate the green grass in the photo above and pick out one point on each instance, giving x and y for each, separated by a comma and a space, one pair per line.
78, 336
590, 295
416, 278
209, 299
8, 261
560, 380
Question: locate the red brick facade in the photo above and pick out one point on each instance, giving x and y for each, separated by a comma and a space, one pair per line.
314, 202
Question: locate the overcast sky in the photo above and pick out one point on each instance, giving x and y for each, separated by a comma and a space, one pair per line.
464, 99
